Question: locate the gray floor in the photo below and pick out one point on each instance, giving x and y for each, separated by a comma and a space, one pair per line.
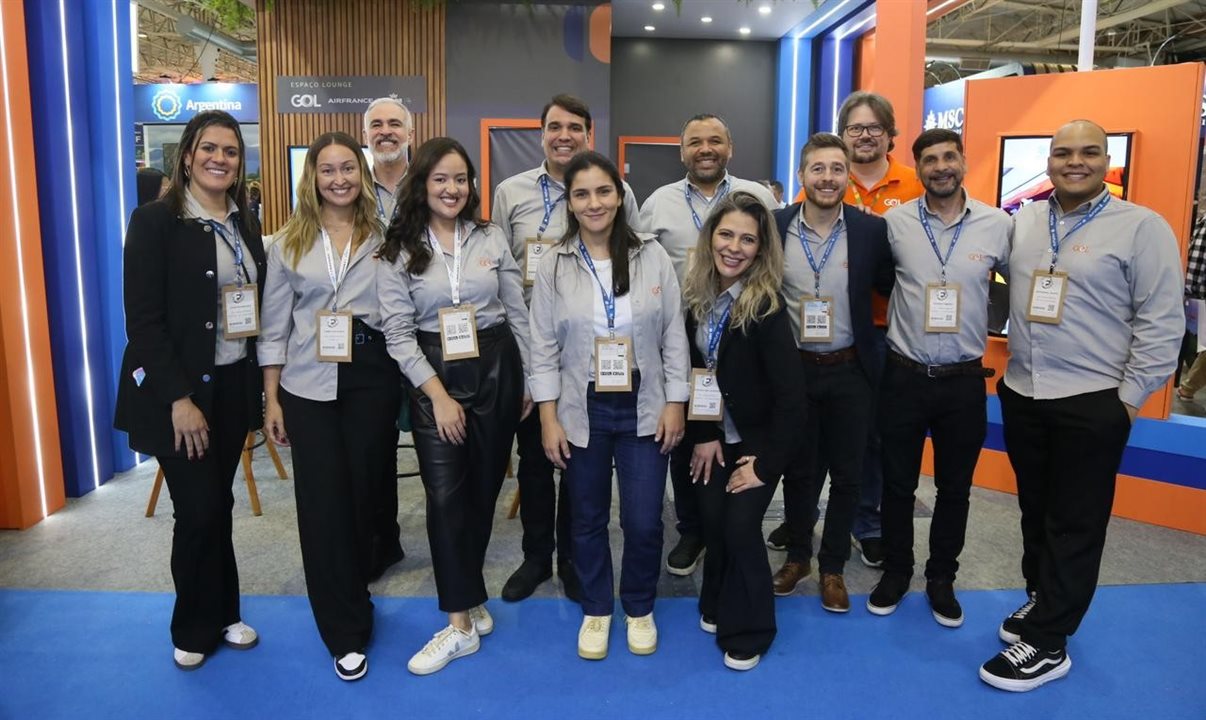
103, 542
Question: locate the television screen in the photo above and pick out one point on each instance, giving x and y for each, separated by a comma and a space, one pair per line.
297, 161
1024, 169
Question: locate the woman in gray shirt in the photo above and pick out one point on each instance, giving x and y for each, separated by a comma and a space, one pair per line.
452, 303
609, 369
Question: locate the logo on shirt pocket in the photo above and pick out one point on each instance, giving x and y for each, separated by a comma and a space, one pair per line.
488, 263
656, 290
1080, 248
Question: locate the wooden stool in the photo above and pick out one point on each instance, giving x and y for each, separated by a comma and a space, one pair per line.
252, 493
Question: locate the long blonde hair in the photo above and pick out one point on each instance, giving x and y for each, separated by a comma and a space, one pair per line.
299, 231
761, 282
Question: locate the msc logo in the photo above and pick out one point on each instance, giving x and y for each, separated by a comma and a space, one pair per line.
166, 105
304, 101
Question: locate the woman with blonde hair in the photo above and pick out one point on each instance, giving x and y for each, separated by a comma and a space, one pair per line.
747, 400
332, 390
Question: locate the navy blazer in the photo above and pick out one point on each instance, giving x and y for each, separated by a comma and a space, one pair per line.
171, 304
871, 268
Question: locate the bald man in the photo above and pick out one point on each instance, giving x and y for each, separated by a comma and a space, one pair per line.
1094, 329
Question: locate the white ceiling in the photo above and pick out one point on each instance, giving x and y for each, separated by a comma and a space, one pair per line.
629, 18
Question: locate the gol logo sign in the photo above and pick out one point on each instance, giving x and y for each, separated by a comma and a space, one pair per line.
304, 101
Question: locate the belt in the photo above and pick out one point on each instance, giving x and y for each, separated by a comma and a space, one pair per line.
837, 357
363, 334
969, 367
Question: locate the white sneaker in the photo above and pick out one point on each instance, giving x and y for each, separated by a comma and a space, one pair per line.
240, 636
642, 635
741, 662
444, 647
592, 637
186, 660
483, 623
351, 666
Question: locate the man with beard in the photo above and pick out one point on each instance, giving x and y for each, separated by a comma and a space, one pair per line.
945, 244
1095, 324
388, 131
834, 256
531, 210
675, 213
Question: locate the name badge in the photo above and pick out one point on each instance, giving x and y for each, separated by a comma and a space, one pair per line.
941, 308
816, 319
334, 336
706, 402
458, 332
1047, 291
613, 364
240, 311
536, 249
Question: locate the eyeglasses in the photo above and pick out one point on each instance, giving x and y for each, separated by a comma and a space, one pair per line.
873, 130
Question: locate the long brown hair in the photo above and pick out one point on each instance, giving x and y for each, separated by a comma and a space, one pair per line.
622, 238
188, 145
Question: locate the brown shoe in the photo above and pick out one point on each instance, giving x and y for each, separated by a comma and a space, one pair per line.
833, 593
789, 576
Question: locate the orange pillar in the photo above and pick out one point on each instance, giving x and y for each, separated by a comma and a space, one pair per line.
31, 472
898, 72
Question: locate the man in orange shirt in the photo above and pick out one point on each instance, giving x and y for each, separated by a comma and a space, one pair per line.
867, 123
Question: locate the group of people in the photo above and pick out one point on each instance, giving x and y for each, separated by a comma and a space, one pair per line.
706, 333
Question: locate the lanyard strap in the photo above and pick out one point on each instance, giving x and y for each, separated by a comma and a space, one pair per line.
380, 203
715, 330
336, 276
549, 205
1055, 241
858, 198
236, 247
816, 269
609, 298
929, 233
454, 270
720, 192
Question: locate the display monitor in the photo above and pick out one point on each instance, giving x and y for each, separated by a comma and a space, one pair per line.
1024, 169
297, 161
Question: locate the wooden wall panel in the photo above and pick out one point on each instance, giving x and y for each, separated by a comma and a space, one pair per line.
340, 37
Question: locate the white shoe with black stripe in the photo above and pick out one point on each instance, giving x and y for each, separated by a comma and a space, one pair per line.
1022, 667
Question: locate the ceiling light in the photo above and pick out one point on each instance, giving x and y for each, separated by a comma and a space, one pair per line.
142, 35
705, 19
744, 30
659, 6
649, 28
764, 10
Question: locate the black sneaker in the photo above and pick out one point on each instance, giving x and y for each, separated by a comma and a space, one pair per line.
1011, 628
570, 585
351, 666
871, 550
777, 540
1022, 667
943, 603
741, 661
887, 594
524, 581
685, 555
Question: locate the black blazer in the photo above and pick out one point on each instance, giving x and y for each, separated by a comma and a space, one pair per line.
762, 382
871, 268
171, 302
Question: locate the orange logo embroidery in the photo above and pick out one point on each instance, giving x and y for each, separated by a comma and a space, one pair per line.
1080, 248
976, 257
487, 263
656, 290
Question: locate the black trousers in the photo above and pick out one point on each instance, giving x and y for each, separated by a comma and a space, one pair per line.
462, 481
386, 542
543, 510
341, 449
952, 409
686, 503
737, 588
835, 435
1065, 454
203, 560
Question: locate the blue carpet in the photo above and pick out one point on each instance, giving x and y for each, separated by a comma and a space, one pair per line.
67, 654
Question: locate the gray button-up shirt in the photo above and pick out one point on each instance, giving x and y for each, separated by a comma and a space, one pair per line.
387, 200
723, 301
667, 215
1122, 318
225, 351
293, 297
489, 280
799, 281
518, 209
983, 247
563, 335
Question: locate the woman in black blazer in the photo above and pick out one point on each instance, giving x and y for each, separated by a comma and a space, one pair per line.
190, 387
747, 401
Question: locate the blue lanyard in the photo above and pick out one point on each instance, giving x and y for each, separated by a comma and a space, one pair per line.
609, 299
1055, 241
721, 192
548, 205
380, 204
715, 330
816, 269
236, 247
929, 233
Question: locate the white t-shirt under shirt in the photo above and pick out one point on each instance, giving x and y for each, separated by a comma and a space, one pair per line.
623, 326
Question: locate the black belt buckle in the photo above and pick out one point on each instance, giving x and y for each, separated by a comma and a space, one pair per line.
929, 370
360, 338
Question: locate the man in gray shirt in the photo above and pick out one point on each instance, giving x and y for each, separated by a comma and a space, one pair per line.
675, 213
388, 132
945, 244
1094, 329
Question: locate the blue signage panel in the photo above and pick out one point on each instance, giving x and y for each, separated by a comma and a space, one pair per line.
177, 104
943, 106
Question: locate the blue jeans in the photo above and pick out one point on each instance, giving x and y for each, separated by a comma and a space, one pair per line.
641, 476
